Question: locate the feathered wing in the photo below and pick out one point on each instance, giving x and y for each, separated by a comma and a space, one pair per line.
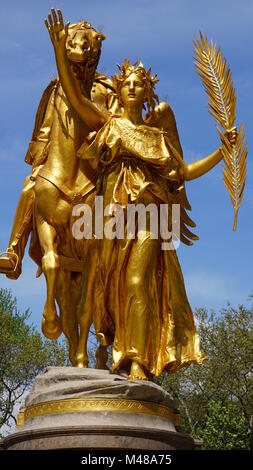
216, 78
163, 118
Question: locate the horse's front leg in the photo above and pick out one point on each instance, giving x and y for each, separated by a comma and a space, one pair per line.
51, 322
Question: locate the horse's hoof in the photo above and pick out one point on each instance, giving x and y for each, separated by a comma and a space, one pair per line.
81, 361
52, 329
82, 364
102, 358
101, 363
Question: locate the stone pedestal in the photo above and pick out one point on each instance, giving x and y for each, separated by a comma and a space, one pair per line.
72, 408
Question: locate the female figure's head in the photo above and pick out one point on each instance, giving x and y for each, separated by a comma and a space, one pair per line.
135, 87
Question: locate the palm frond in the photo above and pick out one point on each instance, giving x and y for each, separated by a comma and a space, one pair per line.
234, 169
216, 78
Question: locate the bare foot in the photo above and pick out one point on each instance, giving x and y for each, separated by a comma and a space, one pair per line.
137, 372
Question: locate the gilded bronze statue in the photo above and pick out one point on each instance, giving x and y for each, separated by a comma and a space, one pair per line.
100, 145
57, 135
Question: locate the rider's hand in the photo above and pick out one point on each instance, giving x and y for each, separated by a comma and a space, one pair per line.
58, 33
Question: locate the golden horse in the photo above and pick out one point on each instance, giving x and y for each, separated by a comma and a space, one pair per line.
62, 182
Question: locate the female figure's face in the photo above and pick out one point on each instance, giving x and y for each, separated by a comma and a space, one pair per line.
133, 91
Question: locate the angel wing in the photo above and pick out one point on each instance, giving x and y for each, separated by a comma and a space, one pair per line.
163, 118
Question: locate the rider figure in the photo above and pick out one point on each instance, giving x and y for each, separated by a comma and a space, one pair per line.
11, 260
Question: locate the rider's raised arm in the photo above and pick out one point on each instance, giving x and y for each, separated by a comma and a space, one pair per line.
88, 111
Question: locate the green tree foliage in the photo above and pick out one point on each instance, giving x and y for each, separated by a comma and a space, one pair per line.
226, 428
223, 382
23, 355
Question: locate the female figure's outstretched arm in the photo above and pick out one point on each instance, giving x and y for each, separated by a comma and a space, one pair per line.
191, 171
200, 167
88, 111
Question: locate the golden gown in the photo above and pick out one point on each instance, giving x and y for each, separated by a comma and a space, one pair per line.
140, 303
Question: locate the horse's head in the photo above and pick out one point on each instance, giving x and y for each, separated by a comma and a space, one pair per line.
84, 44
84, 49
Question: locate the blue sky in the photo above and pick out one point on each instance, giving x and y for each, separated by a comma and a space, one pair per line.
218, 267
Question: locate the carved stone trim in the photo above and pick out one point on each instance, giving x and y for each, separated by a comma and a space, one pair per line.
97, 404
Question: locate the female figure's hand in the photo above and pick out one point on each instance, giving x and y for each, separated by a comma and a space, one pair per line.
57, 31
231, 135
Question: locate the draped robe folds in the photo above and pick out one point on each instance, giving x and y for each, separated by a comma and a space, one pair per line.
140, 302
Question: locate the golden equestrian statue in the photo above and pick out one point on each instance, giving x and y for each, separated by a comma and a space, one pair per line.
131, 287
57, 135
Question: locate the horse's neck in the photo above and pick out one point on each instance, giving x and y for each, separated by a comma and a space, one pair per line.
67, 135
